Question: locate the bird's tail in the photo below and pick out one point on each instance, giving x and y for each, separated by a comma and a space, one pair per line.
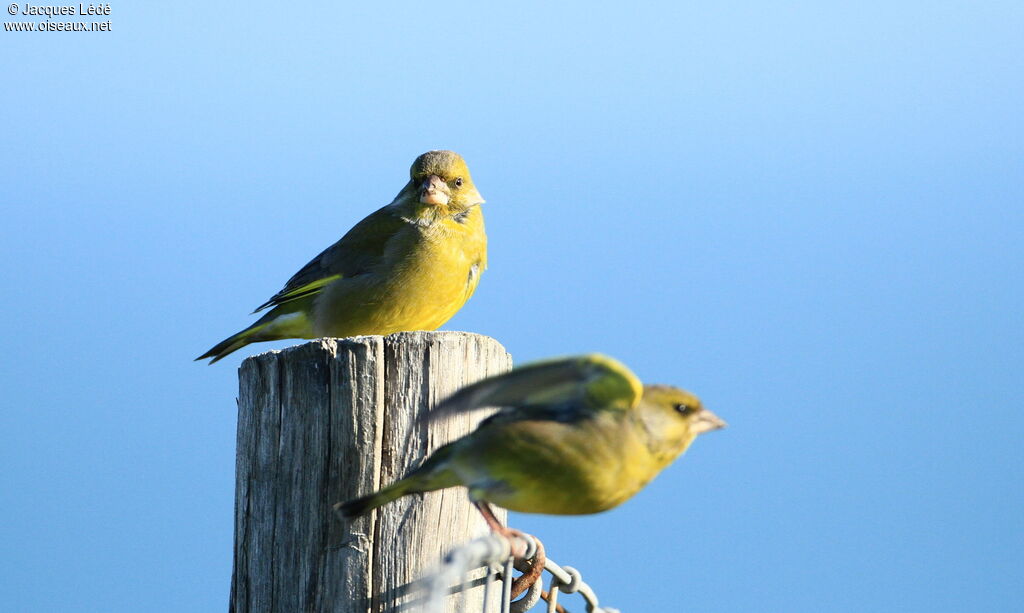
232, 343
433, 474
273, 326
362, 506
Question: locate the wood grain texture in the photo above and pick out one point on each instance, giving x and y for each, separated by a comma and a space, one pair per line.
333, 419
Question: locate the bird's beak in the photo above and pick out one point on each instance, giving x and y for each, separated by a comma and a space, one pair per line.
706, 421
434, 191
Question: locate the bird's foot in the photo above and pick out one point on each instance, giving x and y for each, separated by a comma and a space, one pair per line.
530, 563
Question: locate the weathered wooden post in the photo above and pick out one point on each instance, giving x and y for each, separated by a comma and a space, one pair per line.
330, 420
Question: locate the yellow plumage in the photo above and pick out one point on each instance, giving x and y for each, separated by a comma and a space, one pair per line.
411, 265
576, 436
425, 278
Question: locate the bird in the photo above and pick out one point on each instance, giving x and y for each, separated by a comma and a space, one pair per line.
410, 265
573, 436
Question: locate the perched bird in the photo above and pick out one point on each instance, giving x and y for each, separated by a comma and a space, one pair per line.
574, 436
410, 265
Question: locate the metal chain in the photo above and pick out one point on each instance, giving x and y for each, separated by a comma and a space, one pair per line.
494, 551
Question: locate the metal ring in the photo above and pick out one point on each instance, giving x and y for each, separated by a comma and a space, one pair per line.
575, 580
529, 599
531, 546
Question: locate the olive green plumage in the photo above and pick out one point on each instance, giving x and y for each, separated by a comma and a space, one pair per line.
410, 265
575, 436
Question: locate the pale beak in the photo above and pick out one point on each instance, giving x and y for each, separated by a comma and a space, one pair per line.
434, 191
706, 421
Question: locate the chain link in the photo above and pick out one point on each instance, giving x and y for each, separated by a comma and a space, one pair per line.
493, 552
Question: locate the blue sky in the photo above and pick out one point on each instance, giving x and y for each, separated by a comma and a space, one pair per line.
809, 214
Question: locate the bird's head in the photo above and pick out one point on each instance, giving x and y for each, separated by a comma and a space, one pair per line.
673, 418
440, 179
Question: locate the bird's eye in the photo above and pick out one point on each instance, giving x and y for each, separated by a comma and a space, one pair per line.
458, 182
684, 409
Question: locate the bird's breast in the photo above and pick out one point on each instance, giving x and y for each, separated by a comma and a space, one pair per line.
554, 468
424, 277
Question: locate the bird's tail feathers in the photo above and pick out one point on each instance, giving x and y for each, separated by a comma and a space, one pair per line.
273, 326
433, 474
233, 343
362, 506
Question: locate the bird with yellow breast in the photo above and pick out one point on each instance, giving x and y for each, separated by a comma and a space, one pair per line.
410, 265
574, 436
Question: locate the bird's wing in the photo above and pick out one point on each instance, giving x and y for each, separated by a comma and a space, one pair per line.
356, 252
582, 383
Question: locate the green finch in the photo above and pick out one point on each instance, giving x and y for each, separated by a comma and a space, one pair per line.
410, 265
574, 436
